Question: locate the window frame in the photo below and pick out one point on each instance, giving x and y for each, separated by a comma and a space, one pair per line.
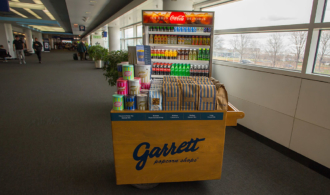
134, 38
313, 29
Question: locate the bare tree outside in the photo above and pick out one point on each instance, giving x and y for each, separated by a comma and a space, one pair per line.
324, 45
218, 42
256, 50
298, 38
240, 44
275, 46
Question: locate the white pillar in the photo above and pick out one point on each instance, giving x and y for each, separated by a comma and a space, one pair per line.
89, 40
114, 38
178, 5
7, 38
105, 39
28, 40
39, 37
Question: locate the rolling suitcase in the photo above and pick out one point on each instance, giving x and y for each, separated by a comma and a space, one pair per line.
75, 56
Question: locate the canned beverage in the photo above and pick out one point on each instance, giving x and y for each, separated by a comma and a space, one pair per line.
189, 29
130, 102
145, 86
120, 70
142, 101
144, 72
122, 87
139, 82
118, 102
134, 87
128, 72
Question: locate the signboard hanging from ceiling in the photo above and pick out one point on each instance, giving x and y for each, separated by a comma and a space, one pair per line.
81, 28
4, 6
169, 17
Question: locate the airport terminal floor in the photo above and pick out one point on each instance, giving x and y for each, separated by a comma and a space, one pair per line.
55, 138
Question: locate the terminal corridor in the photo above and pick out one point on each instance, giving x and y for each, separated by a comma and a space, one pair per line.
55, 138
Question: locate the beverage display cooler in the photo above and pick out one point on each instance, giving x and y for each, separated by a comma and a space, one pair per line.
181, 42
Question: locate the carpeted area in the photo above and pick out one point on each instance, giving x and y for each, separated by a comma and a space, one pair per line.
55, 138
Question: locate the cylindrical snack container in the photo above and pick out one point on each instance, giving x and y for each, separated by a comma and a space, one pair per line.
124, 63
134, 87
142, 101
145, 85
118, 102
128, 72
130, 102
144, 91
144, 72
120, 70
138, 78
122, 87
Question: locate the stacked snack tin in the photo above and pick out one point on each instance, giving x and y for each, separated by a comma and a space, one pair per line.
134, 87
128, 72
122, 86
120, 70
142, 100
144, 72
118, 102
130, 102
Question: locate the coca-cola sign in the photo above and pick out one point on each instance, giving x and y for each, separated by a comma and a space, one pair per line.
177, 18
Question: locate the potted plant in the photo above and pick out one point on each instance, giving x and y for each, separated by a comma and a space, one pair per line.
114, 58
92, 51
99, 57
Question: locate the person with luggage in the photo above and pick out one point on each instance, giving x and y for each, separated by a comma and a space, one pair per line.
19, 48
81, 50
37, 46
4, 54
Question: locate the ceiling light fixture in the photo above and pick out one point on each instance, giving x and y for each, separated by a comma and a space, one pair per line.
32, 13
16, 12
87, 12
38, 2
49, 14
26, 5
92, 1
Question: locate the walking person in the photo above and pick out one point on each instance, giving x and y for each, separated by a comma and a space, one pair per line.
19, 47
81, 50
37, 46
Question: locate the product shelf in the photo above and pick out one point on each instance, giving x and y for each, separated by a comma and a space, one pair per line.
180, 33
180, 46
181, 61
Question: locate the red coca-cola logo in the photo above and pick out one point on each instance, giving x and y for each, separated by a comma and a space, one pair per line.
118, 104
127, 73
177, 18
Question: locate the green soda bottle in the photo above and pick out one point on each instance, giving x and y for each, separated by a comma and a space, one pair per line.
188, 70
204, 54
180, 70
200, 54
172, 70
208, 54
183, 70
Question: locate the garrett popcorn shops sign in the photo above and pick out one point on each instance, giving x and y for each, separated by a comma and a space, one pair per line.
167, 150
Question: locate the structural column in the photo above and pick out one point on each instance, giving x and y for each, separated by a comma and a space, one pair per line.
178, 5
89, 40
7, 38
114, 38
28, 40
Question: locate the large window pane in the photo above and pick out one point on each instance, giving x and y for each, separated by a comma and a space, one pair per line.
283, 50
256, 13
139, 42
327, 13
322, 61
139, 31
129, 33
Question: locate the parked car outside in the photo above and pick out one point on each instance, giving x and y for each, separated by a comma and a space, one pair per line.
246, 62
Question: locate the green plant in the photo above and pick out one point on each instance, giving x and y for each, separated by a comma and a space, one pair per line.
92, 50
100, 54
114, 58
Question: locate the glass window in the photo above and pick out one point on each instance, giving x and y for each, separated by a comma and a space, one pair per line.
327, 12
129, 33
257, 13
139, 42
279, 50
322, 60
139, 31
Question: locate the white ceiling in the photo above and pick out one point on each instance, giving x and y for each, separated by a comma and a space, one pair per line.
77, 10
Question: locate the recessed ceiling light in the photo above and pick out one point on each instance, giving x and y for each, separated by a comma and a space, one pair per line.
16, 12
92, 1
87, 12
32, 13
26, 5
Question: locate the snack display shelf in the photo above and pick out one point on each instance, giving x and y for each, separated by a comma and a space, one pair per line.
142, 141
180, 33
181, 61
179, 46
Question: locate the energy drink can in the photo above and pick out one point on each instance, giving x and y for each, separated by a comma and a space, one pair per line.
118, 102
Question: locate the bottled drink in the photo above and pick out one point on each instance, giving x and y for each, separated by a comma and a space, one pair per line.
166, 54
207, 70
172, 29
169, 69
208, 41
190, 57
157, 68
192, 70
188, 70
172, 70
161, 29
158, 54
194, 55
179, 40
151, 39
169, 39
176, 70
193, 40
157, 28
179, 70
154, 68
202, 70
175, 54
200, 40
170, 54
160, 39
165, 39
207, 54
204, 54
162, 54
196, 40
183, 70
200, 56
186, 54
199, 71
175, 39
204, 40
161, 69
150, 28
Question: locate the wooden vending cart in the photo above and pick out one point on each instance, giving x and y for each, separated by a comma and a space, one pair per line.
169, 146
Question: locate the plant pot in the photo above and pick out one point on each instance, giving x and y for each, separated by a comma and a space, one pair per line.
99, 64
